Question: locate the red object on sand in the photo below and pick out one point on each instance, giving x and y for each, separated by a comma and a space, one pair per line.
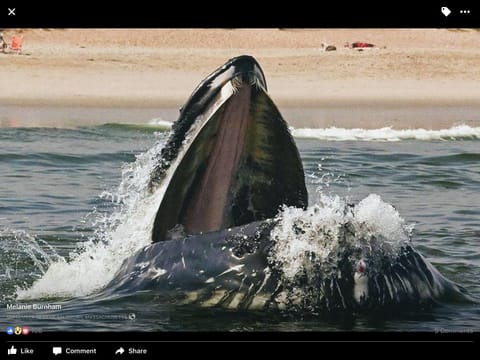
359, 44
16, 44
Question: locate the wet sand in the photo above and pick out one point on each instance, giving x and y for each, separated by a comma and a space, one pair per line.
412, 78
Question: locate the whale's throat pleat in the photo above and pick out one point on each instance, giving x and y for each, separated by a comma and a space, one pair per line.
207, 208
240, 167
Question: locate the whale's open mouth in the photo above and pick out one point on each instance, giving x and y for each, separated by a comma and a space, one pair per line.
230, 159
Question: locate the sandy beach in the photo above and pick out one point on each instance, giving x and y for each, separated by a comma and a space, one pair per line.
411, 78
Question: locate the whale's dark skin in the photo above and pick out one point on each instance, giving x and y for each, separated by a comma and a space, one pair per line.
228, 167
232, 268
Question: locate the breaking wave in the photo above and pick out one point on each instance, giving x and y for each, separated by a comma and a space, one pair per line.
460, 132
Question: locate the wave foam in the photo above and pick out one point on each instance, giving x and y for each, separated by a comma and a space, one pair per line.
388, 134
160, 122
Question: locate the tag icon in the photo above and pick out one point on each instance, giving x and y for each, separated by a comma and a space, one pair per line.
446, 11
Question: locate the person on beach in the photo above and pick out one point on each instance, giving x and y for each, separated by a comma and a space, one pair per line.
3, 43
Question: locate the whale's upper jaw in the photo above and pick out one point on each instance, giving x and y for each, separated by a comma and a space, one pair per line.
245, 67
200, 99
230, 158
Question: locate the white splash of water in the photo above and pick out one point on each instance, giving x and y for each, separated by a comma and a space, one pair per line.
118, 236
160, 122
317, 235
388, 134
301, 233
326, 178
24, 259
381, 219
21, 244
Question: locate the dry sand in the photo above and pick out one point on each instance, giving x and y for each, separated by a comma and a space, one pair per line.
424, 69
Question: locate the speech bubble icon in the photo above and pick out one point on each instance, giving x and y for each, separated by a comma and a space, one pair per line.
57, 350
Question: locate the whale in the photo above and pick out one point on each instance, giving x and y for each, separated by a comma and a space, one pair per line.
224, 182
234, 269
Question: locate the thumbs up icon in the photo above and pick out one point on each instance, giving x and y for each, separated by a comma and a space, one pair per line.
12, 351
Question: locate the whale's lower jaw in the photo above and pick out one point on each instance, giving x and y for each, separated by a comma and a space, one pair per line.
238, 163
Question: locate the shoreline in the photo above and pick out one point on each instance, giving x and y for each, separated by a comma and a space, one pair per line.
406, 116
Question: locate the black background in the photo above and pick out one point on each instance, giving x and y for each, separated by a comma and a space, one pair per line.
238, 13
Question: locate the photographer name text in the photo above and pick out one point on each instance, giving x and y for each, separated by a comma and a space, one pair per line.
34, 307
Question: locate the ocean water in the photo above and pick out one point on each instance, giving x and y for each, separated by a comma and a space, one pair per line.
73, 207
